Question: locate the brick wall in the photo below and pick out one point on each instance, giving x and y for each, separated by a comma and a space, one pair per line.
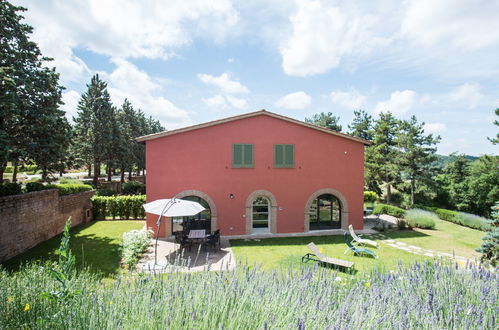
30, 219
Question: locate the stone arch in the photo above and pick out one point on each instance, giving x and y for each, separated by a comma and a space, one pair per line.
273, 210
337, 194
208, 199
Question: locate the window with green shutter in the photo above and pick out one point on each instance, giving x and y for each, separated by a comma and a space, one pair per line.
242, 155
284, 155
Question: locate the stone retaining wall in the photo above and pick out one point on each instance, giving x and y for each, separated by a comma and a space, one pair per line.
32, 218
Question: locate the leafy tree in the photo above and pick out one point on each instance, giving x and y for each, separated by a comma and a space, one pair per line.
327, 120
453, 182
483, 185
362, 125
380, 162
417, 153
496, 122
490, 245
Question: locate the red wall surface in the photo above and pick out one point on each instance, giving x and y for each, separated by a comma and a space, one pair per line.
201, 160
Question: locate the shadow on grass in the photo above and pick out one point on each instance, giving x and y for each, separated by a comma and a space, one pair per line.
405, 234
100, 255
302, 240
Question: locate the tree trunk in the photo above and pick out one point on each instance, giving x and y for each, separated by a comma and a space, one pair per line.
130, 175
89, 170
413, 188
388, 193
2, 170
14, 172
109, 173
44, 173
122, 179
61, 172
96, 174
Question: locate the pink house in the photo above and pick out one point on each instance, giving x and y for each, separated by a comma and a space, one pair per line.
259, 172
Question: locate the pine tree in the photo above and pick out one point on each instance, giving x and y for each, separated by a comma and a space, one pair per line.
327, 120
417, 153
490, 245
496, 122
362, 125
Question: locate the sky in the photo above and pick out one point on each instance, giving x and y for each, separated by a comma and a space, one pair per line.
188, 62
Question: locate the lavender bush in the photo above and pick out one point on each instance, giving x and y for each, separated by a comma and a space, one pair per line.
427, 296
421, 219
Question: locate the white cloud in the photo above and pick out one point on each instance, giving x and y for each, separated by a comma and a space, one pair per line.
123, 28
322, 35
466, 25
224, 82
435, 128
294, 101
468, 94
400, 102
352, 99
127, 81
225, 101
70, 99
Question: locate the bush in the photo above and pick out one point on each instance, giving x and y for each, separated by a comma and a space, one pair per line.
68, 189
370, 196
421, 219
133, 188
460, 218
390, 210
134, 244
11, 188
34, 186
70, 181
9, 169
118, 207
105, 192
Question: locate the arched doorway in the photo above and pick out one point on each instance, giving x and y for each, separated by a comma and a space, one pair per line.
261, 212
207, 218
325, 213
326, 209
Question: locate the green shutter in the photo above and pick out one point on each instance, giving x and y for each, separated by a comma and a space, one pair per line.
278, 155
289, 155
237, 155
248, 155
242, 155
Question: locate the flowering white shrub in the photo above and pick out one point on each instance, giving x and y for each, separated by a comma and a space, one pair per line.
134, 244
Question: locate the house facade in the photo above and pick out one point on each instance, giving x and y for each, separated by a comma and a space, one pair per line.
259, 172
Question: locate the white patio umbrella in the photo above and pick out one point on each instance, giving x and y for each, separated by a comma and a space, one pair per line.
173, 207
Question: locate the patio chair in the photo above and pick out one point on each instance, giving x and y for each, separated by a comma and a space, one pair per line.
317, 256
355, 249
358, 240
214, 239
182, 240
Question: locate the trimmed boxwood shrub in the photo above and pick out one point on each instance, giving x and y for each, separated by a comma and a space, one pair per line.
118, 207
105, 192
390, 210
370, 196
10, 188
133, 188
68, 189
34, 186
421, 219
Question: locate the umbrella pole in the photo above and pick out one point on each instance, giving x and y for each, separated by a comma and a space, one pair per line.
158, 224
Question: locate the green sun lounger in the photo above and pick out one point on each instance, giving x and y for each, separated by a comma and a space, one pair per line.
355, 249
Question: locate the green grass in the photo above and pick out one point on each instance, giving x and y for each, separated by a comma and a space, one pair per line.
95, 245
281, 253
446, 237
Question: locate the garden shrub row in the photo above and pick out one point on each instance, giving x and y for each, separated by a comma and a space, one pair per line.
118, 207
390, 210
460, 218
10, 188
421, 219
64, 189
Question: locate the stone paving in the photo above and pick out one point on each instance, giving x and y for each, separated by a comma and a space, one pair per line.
414, 249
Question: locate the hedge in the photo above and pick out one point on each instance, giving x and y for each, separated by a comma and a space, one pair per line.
118, 207
133, 188
68, 189
460, 218
390, 210
10, 188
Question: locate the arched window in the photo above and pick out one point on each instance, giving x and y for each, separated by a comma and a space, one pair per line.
325, 213
261, 212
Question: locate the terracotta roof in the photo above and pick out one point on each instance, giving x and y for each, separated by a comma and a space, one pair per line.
249, 115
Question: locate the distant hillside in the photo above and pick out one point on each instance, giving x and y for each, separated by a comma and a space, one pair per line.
443, 160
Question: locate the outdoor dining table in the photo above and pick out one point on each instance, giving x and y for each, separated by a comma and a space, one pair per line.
197, 235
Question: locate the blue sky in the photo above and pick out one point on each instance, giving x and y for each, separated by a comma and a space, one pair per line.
187, 62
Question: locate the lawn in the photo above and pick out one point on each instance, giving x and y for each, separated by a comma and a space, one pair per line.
95, 245
446, 237
281, 253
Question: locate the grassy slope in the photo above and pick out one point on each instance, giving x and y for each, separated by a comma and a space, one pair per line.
447, 237
272, 253
95, 245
